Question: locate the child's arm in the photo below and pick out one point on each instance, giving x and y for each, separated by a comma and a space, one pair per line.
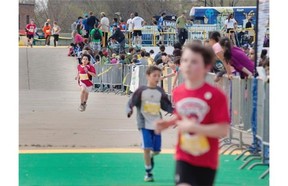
167, 76
165, 102
215, 130
175, 80
135, 100
161, 125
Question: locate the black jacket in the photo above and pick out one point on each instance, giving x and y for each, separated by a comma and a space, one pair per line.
118, 35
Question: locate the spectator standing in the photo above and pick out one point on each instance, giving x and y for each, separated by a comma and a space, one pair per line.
104, 26
91, 21
56, 32
85, 26
158, 56
129, 28
138, 23
47, 33
160, 27
30, 29
181, 28
143, 59
230, 25
96, 36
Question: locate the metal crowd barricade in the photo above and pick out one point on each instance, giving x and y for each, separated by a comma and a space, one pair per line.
142, 75
126, 78
197, 35
97, 81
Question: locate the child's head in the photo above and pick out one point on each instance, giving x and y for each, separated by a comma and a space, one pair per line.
143, 54
177, 52
214, 37
196, 61
113, 55
197, 41
162, 48
147, 54
151, 52
46, 24
85, 59
122, 57
131, 50
177, 45
153, 74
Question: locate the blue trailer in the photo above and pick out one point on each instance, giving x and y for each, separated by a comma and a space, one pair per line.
217, 15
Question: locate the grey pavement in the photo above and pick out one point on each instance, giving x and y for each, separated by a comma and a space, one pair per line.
49, 116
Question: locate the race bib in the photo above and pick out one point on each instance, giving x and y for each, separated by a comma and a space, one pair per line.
151, 108
195, 145
47, 31
83, 76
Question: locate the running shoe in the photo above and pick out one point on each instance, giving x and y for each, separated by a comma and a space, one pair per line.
148, 177
82, 108
85, 105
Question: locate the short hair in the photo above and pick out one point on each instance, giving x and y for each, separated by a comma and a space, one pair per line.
163, 14
162, 48
147, 54
55, 22
164, 54
90, 13
177, 52
177, 45
86, 55
136, 14
197, 41
115, 19
143, 53
215, 36
207, 53
159, 61
152, 69
130, 49
177, 60
151, 51
47, 24
80, 17
122, 56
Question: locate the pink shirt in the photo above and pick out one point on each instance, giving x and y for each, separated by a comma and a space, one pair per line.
217, 48
78, 39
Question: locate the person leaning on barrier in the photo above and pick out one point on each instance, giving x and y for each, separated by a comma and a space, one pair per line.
175, 68
119, 37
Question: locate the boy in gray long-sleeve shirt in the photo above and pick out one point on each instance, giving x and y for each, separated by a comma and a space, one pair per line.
148, 101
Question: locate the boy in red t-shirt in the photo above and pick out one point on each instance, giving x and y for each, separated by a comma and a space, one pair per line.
201, 114
84, 77
30, 30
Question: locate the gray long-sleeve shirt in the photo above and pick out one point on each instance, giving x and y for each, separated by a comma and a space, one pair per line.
148, 102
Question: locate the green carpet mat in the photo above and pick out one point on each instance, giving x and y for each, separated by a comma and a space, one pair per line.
109, 169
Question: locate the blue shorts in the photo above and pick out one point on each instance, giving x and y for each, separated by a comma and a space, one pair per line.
150, 140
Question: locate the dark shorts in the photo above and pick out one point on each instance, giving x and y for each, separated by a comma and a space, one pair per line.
228, 30
30, 36
193, 175
56, 37
137, 33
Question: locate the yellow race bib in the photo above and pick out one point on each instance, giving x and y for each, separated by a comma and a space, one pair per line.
83, 76
151, 108
195, 145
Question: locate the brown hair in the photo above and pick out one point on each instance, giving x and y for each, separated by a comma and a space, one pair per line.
207, 53
152, 69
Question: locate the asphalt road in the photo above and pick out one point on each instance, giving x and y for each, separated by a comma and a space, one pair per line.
49, 100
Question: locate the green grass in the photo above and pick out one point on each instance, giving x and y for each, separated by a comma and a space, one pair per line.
119, 169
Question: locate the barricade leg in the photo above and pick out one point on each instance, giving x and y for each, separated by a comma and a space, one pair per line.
257, 164
262, 176
249, 161
242, 154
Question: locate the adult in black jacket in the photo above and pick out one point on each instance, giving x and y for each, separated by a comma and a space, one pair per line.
91, 21
120, 37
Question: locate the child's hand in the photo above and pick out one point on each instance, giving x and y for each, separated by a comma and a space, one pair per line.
129, 114
187, 125
161, 125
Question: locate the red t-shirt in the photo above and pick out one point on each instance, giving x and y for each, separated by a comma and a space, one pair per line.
209, 105
30, 29
84, 77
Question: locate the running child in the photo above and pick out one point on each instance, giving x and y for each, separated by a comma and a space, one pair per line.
201, 114
84, 77
149, 100
30, 29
